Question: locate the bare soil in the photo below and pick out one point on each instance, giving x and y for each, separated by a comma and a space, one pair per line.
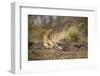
68, 51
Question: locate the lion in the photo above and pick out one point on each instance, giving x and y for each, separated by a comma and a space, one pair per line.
48, 41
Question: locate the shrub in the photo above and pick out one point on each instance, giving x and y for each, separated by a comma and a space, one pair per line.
72, 34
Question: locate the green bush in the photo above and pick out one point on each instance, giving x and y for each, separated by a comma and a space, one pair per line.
72, 34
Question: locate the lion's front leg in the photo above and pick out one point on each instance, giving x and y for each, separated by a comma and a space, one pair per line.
51, 45
58, 46
46, 45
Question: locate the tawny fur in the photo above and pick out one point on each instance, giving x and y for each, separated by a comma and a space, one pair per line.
48, 41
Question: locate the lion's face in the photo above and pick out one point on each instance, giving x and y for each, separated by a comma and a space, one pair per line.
48, 39
47, 34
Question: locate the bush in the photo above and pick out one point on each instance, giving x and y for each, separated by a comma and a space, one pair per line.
72, 34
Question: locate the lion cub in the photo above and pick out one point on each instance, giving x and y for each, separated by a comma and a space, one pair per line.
48, 41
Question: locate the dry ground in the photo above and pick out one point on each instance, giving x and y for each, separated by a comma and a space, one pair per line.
69, 51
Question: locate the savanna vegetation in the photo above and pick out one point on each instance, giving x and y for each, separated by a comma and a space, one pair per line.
69, 33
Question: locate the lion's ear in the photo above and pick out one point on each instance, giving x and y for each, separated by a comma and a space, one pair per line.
44, 31
50, 31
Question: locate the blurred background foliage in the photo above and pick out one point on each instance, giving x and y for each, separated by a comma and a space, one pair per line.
76, 28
